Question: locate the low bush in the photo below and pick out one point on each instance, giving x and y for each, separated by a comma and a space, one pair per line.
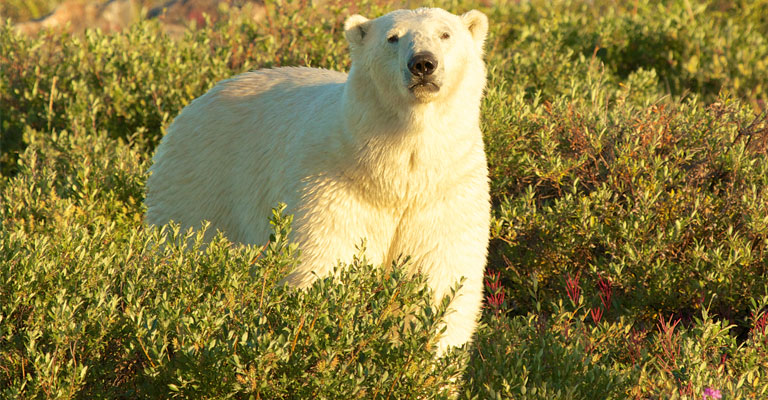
94, 305
627, 147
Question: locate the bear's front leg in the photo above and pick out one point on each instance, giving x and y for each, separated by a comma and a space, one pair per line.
448, 242
330, 223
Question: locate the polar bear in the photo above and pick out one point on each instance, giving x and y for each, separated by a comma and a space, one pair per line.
390, 153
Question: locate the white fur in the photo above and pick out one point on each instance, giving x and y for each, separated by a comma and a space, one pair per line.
356, 157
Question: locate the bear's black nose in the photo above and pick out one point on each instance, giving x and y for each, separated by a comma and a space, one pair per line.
422, 64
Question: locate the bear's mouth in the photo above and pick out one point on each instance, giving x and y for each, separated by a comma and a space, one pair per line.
423, 87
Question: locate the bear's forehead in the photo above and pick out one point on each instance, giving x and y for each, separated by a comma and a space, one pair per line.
418, 18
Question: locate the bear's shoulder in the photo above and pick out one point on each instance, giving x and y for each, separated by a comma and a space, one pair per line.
290, 75
280, 82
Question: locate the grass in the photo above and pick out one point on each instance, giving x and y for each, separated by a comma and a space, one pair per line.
628, 150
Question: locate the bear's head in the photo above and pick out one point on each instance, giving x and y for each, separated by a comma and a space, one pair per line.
419, 56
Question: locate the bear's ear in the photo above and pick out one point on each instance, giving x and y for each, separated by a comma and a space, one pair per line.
355, 28
477, 25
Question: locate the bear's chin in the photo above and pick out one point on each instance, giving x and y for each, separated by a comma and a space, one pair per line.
424, 92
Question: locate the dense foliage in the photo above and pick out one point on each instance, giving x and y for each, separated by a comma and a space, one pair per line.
628, 148
26, 9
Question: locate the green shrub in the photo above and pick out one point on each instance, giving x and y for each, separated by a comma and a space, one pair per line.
568, 355
691, 47
19, 10
628, 161
94, 305
668, 201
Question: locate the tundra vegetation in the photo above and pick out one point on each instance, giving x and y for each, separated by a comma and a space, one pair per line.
628, 149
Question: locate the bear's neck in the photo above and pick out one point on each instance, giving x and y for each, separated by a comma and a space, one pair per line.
367, 115
400, 150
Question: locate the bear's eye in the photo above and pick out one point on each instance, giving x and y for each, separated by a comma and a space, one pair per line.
445, 36
393, 39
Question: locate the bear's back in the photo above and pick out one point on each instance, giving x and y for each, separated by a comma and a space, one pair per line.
229, 156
